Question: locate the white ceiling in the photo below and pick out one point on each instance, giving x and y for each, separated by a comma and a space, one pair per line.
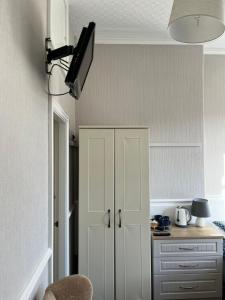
129, 21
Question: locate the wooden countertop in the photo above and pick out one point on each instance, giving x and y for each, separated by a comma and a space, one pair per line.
210, 231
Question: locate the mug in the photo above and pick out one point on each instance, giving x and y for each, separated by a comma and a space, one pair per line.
157, 217
164, 221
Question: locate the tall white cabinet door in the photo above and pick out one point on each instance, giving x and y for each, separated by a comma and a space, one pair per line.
132, 232
96, 210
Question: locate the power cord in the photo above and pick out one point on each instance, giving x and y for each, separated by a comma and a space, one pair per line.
50, 73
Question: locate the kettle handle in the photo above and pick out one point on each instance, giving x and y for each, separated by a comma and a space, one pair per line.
188, 214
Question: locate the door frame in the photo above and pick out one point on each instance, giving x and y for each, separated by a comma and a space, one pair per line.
57, 113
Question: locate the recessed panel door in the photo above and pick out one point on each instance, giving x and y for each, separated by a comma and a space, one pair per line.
96, 210
132, 232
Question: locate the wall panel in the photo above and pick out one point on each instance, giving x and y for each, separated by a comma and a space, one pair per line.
157, 86
214, 124
175, 172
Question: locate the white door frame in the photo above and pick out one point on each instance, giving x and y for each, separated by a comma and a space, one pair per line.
57, 113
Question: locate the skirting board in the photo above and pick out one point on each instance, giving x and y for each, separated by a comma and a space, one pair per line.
26, 294
167, 207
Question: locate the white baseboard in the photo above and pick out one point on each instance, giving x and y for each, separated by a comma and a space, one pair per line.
28, 291
167, 206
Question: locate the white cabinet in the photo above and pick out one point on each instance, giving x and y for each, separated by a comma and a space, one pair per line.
114, 237
188, 264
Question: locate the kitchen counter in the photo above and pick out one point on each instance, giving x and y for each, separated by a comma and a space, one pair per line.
210, 231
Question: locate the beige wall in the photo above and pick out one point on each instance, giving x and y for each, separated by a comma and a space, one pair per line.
23, 144
214, 124
158, 86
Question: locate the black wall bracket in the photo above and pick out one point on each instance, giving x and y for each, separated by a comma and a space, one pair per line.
47, 41
56, 54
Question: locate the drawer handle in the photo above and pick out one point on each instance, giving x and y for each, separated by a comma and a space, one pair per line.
189, 287
186, 249
119, 212
109, 225
188, 266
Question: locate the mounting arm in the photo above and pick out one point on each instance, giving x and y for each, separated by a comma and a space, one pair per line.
58, 53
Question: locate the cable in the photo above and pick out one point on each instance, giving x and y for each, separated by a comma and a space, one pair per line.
65, 66
50, 73
65, 61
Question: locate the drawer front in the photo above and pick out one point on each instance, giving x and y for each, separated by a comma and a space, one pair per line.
171, 265
187, 286
187, 247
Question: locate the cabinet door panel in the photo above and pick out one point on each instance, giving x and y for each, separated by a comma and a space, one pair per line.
96, 197
132, 211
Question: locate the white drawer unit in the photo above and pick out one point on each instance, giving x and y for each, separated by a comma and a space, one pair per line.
188, 265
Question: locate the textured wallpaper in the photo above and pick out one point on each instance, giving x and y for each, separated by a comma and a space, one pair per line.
23, 144
158, 86
214, 124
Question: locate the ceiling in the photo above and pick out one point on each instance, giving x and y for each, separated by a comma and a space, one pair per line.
129, 21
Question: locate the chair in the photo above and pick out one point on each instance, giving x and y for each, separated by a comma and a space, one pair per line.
76, 287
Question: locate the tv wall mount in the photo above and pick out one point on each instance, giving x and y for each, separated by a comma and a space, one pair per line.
57, 54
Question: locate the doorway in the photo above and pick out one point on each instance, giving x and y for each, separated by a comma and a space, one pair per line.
60, 193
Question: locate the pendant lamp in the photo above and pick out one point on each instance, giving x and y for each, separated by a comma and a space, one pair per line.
197, 21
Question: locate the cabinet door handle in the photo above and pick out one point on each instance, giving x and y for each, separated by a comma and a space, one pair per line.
119, 211
188, 266
189, 287
109, 224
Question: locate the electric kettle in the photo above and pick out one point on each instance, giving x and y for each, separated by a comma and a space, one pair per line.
182, 216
